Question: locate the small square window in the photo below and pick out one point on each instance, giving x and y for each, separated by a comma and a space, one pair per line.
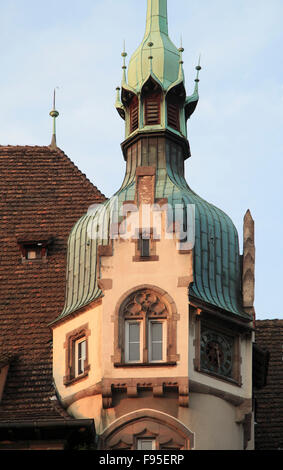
146, 444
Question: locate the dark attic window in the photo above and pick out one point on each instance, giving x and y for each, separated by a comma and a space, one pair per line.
144, 246
33, 251
152, 109
134, 114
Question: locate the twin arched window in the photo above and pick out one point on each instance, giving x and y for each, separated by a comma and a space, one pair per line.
145, 324
146, 329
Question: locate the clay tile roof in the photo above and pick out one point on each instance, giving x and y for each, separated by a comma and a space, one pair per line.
42, 194
269, 399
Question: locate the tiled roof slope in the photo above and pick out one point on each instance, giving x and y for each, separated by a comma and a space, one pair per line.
41, 192
269, 400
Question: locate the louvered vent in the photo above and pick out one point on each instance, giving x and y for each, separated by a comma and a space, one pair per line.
134, 114
152, 110
173, 116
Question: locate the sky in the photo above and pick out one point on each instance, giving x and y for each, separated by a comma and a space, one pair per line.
235, 134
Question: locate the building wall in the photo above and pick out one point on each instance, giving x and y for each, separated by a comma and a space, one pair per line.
213, 416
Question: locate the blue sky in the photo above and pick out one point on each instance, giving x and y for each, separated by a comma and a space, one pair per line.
235, 134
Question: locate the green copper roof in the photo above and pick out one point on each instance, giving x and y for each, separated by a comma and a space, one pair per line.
217, 267
165, 55
217, 272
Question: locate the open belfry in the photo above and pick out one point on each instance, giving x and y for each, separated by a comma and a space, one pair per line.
155, 339
128, 323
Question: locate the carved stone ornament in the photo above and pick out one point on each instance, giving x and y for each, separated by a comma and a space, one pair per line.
144, 303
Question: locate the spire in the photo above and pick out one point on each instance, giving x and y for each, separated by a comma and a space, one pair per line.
124, 67
156, 18
54, 114
165, 64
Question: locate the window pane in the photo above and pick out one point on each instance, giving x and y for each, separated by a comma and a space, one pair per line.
134, 351
145, 247
156, 341
134, 332
156, 352
133, 346
146, 444
81, 356
31, 254
156, 331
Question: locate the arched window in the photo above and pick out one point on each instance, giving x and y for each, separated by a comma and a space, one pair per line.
134, 114
145, 325
146, 329
153, 430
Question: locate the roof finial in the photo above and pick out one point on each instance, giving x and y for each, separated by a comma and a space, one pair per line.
198, 69
124, 67
181, 72
54, 114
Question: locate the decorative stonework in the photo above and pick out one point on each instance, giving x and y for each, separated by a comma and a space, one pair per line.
144, 303
167, 432
159, 387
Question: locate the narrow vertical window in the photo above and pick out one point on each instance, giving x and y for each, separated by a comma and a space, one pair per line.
173, 115
144, 246
133, 343
134, 114
152, 109
155, 341
80, 356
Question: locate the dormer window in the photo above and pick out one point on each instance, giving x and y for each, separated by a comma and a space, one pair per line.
33, 249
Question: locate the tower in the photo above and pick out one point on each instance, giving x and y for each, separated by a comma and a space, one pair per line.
155, 336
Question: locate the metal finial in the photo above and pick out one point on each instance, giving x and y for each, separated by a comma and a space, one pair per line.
198, 69
124, 55
54, 114
181, 50
124, 67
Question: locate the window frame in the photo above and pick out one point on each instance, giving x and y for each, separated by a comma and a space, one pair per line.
73, 339
162, 322
143, 439
80, 360
168, 315
127, 342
